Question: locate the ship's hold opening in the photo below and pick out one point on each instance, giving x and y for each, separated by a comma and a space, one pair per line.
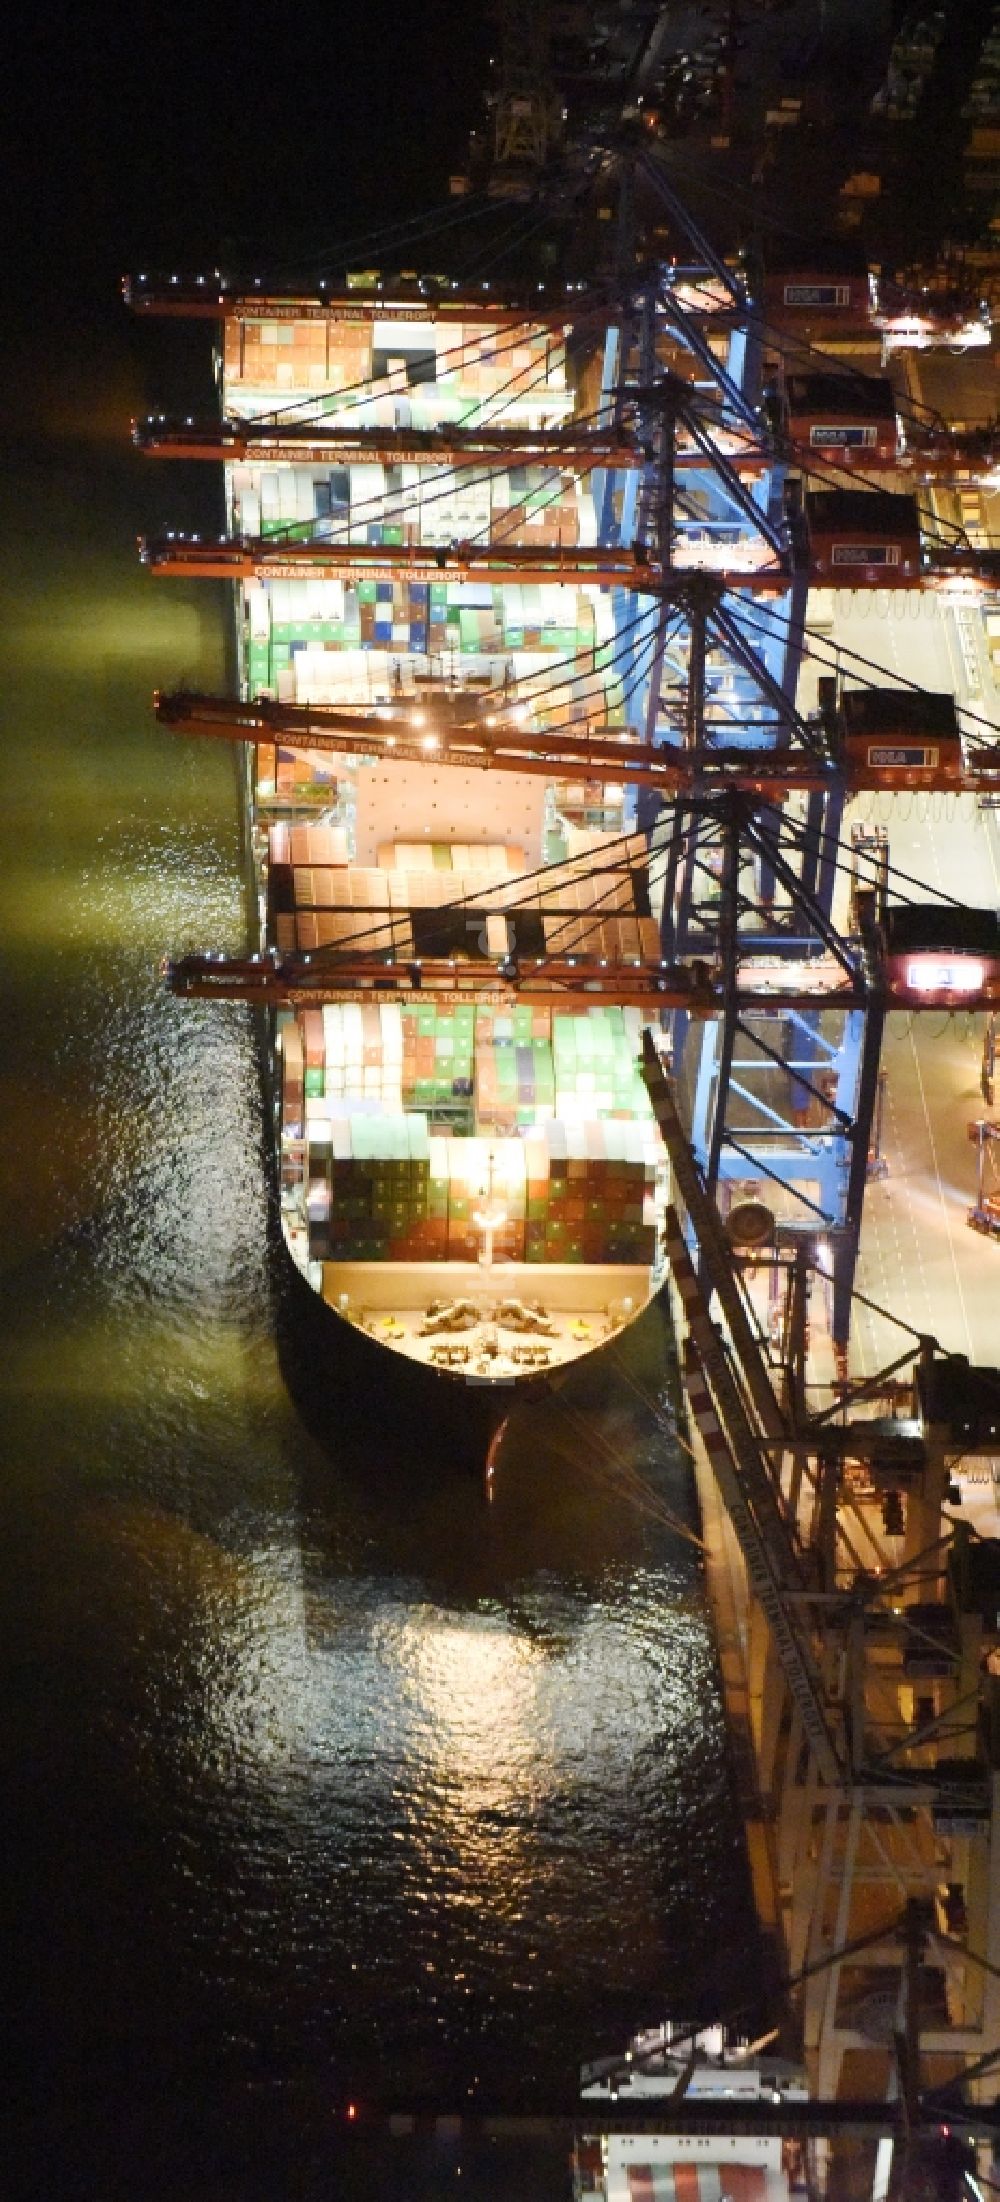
418, 366
450, 933
527, 928
639, 878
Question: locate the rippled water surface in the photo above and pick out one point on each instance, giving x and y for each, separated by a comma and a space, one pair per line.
325, 1780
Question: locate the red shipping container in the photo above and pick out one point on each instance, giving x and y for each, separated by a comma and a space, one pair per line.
312, 1037
293, 1048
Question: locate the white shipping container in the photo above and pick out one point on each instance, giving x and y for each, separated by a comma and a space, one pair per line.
473, 596
328, 599
614, 1141
418, 1138
258, 607
411, 336
367, 486
391, 1024
509, 1165
635, 1143
469, 1161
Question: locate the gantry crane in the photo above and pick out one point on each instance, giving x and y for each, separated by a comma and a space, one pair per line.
874, 1706
694, 532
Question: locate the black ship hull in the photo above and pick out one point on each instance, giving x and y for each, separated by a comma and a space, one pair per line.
363, 1397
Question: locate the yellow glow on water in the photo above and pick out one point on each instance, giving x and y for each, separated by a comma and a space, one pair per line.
210, 1365
97, 637
363, 1764
473, 1708
475, 1683
123, 908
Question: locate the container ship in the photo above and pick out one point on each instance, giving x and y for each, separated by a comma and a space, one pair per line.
701, 2068
471, 1178
519, 585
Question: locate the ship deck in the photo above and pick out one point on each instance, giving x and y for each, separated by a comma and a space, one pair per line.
584, 1305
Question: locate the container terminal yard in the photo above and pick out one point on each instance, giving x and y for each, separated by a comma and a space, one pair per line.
727, 588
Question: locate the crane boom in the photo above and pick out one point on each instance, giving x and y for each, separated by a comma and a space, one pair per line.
575, 981
213, 298
763, 1568
311, 443
748, 1495
236, 558
394, 731
446, 729
244, 558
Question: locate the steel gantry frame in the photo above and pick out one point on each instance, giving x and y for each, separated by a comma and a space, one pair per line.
870, 1700
793, 1111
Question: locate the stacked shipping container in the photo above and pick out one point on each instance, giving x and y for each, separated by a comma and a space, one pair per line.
576, 1184
297, 644
597, 908
401, 374
383, 1188
404, 1123
490, 1070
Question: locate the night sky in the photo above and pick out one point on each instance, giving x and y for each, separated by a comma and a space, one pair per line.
166, 134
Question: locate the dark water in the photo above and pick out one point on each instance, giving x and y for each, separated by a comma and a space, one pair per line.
320, 1782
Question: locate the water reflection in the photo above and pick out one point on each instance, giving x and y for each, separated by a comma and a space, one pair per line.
319, 1775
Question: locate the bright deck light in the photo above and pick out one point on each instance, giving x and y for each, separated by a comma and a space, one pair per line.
945, 975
